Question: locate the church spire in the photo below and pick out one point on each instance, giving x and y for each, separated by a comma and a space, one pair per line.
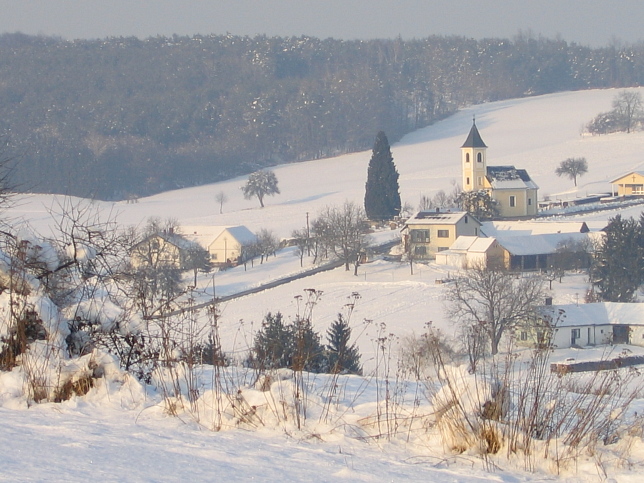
474, 138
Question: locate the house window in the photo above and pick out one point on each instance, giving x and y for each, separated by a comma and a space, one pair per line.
576, 333
467, 181
443, 233
420, 250
524, 335
465, 218
529, 201
213, 256
476, 232
479, 157
442, 249
420, 236
467, 157
480, 181
513, 201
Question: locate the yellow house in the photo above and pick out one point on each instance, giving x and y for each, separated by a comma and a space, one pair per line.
224, 244
429, 232
513, 190
631, 184
162, 249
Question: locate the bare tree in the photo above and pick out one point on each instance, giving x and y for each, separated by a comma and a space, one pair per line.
441, 199
628, 107
494, 301
343, 230
301, 239
197, 259
267, 244
221, 198
7, 188
572, 168
247, 252
426, 203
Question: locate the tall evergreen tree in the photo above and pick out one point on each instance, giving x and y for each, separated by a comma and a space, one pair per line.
382, 198
617, 271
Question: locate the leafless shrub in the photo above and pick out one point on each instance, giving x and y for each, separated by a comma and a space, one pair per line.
513, 402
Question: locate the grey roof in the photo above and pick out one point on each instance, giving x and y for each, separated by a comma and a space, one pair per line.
474, 139
439, 218
509, 177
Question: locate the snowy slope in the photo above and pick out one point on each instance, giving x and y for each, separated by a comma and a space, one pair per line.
117, 436
534, 133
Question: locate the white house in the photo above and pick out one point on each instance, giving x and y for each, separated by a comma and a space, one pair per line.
587, 325
224, 243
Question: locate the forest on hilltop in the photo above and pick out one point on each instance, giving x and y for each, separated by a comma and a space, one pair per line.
125, 117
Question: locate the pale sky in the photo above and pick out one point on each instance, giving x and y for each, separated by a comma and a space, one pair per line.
588, 22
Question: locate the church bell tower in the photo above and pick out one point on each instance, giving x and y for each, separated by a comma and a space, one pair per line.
473, 160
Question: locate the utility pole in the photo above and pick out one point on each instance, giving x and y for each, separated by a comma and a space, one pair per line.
308, 236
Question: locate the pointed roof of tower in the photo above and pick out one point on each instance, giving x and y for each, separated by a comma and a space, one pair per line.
474, 138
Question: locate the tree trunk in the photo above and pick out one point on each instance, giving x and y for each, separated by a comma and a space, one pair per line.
494, 343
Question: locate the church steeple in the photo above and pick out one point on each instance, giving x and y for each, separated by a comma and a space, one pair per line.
474, 139
473, 160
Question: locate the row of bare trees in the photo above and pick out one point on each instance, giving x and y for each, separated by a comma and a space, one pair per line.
339, 232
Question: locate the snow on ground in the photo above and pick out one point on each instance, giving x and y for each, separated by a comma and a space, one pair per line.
116, 436
533, 133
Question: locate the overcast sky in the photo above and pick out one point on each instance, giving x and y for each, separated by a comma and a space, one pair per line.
588, 22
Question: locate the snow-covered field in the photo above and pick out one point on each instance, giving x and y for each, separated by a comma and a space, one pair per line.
120, 432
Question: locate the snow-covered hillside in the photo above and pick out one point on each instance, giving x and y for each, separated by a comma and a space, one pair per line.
109, 429
533, 133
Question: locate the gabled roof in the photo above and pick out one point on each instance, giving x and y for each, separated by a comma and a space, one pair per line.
639, 173
539, 244
175, 239
504, 228
206, 235
509, 177
600, 313
472, 244
439, 218
242, 234
474, 139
